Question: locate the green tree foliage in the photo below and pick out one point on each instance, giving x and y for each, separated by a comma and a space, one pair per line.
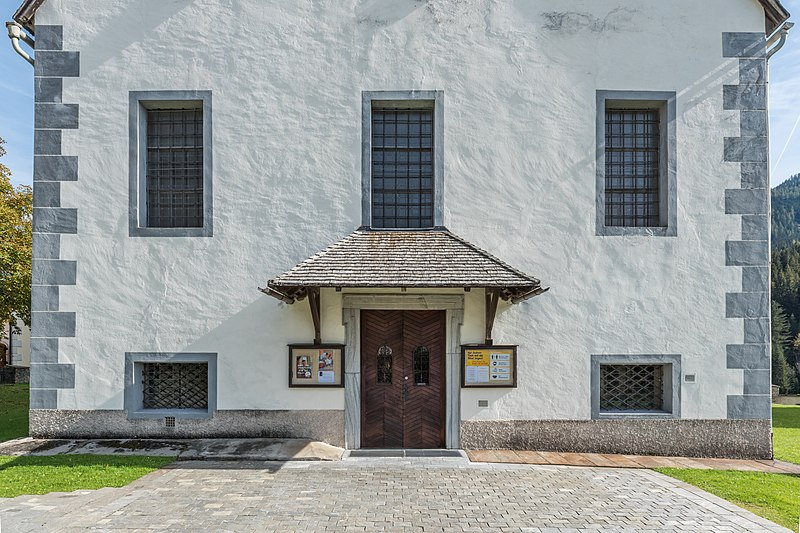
786, 317
16, 207
783, 374
786, 213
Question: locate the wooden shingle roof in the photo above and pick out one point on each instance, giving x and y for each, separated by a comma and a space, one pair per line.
425, 258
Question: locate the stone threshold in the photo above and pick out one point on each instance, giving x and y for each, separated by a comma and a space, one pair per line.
610, 460
402, 453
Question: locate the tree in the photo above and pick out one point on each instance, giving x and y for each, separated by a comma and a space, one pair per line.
16, 208
783, 374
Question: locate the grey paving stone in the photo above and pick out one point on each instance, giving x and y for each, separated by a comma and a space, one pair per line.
379, 494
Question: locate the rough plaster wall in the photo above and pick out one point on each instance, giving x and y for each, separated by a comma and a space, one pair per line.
519, 80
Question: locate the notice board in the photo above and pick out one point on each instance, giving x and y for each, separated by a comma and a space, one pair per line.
488, 366
316, 365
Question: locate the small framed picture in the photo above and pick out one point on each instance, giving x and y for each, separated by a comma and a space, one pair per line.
316, 365
488, 366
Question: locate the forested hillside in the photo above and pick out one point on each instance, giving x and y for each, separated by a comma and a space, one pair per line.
786, 213
786, 317
786, 285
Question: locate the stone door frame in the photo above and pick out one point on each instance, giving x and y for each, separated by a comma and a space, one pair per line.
352, 304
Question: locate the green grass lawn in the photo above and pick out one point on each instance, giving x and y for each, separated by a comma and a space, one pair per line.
59, 473
775, 497
64, 473
13, 411
786, 431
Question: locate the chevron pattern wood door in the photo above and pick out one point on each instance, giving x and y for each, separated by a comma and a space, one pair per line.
398, 412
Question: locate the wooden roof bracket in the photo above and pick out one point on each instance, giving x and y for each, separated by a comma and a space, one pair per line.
530, 294
269, 291
313, 304
492, 298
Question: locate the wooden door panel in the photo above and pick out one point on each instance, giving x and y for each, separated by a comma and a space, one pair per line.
402, 413
424, 406
381, 403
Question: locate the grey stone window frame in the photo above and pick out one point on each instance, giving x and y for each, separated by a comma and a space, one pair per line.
139, 103
393, 98
666, 102
133, 386
672, 384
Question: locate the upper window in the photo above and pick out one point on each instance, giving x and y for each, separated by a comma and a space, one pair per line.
174, 168
403, 169
171, 163
636, 163
633, 168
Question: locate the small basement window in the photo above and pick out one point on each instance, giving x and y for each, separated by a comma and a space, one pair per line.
645, 386
175, 386
167, 384
631, 388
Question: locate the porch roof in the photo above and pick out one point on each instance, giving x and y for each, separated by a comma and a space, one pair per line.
403, 259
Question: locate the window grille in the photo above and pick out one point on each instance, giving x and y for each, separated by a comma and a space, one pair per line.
174, 168
402, 168
631, 387
384, 364
421, 365
175, 385
633, 162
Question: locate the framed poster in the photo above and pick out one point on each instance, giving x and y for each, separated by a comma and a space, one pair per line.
316, 365
488, 366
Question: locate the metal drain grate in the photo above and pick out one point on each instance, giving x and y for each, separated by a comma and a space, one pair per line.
169, 421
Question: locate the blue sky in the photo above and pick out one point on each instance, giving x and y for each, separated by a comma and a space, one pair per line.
16, 104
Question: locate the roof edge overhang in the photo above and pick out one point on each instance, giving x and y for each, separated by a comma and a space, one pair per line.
293, 293
26, 12
774, 12
775, 15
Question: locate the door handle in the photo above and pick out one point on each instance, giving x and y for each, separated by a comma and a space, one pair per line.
405, 391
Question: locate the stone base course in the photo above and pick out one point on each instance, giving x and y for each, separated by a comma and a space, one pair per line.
734, 439
322, 425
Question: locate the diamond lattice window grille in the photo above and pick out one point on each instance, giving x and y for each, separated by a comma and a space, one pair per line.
632, 387
175, 385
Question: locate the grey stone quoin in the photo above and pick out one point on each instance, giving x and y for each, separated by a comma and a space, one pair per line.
50, 219
750, 202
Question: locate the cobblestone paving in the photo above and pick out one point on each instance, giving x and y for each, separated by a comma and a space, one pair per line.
364, 495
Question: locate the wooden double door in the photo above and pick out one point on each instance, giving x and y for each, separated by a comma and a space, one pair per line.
402, 379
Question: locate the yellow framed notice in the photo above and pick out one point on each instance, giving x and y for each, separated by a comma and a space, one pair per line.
488, 366
316, 365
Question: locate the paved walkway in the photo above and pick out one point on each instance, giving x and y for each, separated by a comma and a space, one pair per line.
629, 461
365, 495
